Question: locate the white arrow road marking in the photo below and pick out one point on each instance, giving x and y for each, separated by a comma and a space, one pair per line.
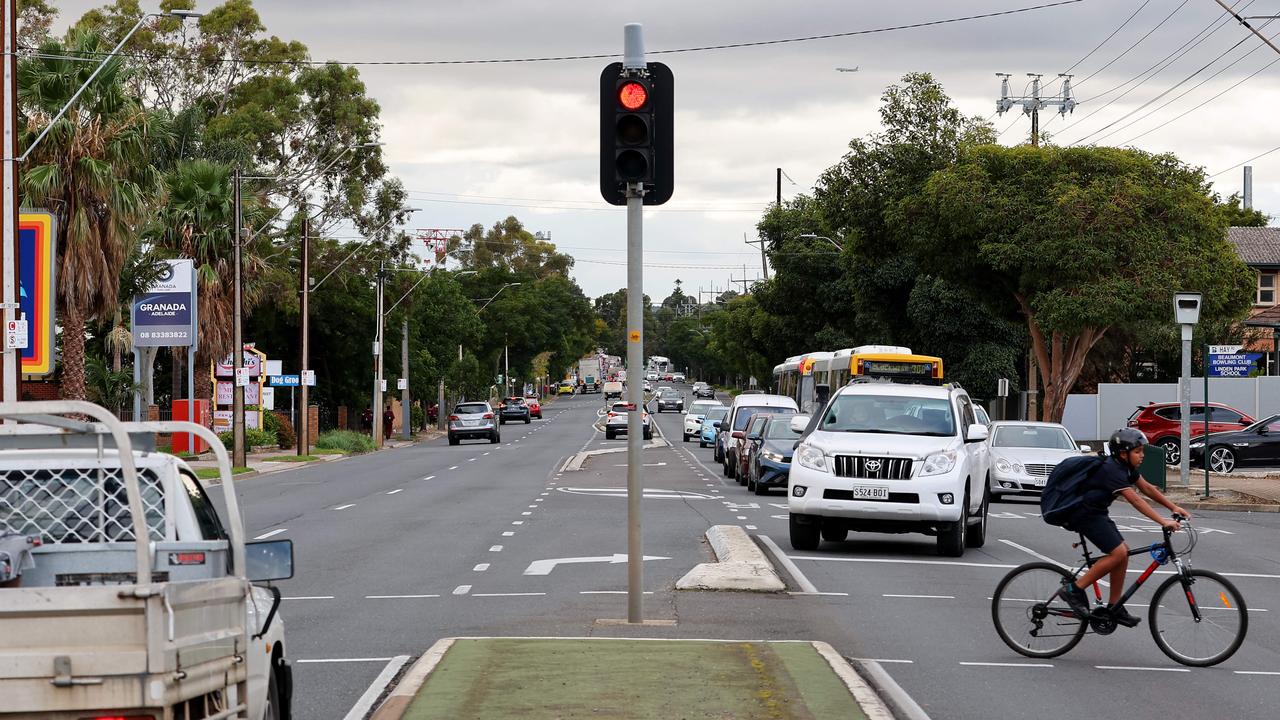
544, 567
649, 493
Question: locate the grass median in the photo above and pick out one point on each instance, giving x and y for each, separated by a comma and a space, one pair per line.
212, 473
533, 679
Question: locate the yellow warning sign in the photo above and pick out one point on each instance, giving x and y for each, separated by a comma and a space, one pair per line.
634, 336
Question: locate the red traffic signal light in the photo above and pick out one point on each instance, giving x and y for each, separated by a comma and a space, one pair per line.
633, 95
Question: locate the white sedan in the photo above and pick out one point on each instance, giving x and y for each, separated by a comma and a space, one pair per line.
1024, 453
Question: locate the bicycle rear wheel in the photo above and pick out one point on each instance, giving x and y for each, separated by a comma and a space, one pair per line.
1223, 623
1029, 615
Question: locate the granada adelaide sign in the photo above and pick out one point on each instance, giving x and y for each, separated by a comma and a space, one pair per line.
165, 315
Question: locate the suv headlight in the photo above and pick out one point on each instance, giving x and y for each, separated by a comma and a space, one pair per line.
939, 463
811, 457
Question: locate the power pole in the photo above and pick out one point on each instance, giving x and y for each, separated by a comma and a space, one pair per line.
377, 359
12, 366
1033, 103
239, 458
405, 415
304, 428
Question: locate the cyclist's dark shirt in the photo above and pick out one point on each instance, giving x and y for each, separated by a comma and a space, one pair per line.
1102, 487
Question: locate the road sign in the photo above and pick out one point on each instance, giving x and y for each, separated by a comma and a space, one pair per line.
273, 367
284, 380
37, 291
15, 335
242, 377
269, 398
309, 378
544, 567
1224, 349
1236, 364
165, 316
402, 384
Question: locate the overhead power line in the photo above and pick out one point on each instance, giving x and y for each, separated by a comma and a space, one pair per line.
1136, 43
1108, 38
614, 55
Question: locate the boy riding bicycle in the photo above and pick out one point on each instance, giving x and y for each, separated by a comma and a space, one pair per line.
1117, 476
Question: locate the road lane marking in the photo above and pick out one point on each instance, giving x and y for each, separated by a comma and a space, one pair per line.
508, 533
1147, 669
480, 568
609, 592
791, 568
751, 527
1007, 664
882, 660
514, 594
273, 533
486, 453
832, 594
393, 492
455, 467
462, 590
471, 459
742, 517
374, 691
922, 597
517, 522
344, 507
496, 548
904, 561
398, 597
309, 597
1256, 672
526, 512
429, 477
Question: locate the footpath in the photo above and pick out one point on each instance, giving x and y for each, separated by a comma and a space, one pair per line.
1240, 491
276, 460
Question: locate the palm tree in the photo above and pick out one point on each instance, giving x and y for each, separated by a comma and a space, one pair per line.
92, 171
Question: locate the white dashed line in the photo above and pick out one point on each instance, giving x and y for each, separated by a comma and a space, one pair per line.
309, 597
455, 467
519, 594
751, 527
924, 597
1148, 669
1007, 664
398, 597
496, 548
1256, 672
526, 512
462, 590
393, 492
480, 568
832, 594
344, 507
429, 477
608, 592
884, 660
508, 534
517, 522
275, 532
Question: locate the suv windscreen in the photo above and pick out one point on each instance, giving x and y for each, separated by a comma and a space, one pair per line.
746, 413
1031, 436
890, 414
471, 409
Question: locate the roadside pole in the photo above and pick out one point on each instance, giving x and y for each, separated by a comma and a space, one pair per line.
239, 458
1186, 312
633, 60
405, 414
302, 426
1205, 437
9, 247
377, 361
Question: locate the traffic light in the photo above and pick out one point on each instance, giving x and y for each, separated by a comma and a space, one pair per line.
636, 140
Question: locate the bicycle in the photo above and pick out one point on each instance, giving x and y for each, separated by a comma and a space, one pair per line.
1200, 626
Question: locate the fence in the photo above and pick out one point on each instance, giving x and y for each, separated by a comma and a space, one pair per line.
1093, 417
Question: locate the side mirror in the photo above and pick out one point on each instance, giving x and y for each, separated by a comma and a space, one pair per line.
737, 435
977, 433
268, 560
753, 437
716, 425
799, 423
684, 412
1085, 449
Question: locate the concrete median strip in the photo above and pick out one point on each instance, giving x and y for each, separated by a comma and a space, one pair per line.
575, 463
741, 565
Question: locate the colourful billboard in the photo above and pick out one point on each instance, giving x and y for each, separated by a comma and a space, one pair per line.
37, 291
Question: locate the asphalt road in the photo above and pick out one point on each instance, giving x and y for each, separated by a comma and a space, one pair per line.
400, 548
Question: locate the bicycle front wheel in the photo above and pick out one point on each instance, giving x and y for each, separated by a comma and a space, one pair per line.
1199, 619
1029, 615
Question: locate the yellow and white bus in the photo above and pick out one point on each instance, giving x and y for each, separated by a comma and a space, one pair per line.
795, 379
800, 375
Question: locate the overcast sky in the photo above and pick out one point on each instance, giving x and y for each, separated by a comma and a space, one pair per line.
475, 143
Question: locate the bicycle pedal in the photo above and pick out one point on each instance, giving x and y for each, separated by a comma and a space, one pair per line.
1129, 623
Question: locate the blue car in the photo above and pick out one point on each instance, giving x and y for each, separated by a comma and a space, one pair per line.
707, 432
769, 456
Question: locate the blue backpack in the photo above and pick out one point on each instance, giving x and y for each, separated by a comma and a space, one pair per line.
1064, 490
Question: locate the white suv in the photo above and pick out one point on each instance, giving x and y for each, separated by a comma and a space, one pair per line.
892, 458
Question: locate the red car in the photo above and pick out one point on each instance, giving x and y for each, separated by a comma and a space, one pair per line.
1162, 424
535, 407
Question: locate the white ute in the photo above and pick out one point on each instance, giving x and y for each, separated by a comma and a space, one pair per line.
99, 626
892, 458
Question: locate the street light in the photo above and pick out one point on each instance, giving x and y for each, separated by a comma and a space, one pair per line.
360, 247
495, 296
811, 236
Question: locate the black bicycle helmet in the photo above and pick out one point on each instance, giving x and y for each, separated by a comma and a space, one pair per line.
1126, 439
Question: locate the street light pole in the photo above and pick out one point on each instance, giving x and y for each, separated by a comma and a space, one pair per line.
377, 360
405, 415
237, 337
304, 420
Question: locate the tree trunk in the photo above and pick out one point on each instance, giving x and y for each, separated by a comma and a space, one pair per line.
204, 386
73, 387
1060, 359
177, 387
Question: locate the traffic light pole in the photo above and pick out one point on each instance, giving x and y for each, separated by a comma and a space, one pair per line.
633, 61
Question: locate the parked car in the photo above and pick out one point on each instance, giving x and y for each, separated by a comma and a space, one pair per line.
677, 377
669, 399
472, 420
769, 458
707, 432
693, 417
535, 405
613, 390
703, 390
615, 423
1162, 424
1024, 453
755, 428
564, 388
1252, 446
745, 407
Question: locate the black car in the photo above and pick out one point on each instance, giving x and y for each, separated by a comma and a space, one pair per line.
1256, 445
769, 453
513, 409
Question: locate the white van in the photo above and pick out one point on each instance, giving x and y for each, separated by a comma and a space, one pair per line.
744, 407
612, 390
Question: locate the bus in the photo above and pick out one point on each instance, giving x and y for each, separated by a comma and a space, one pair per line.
800, 376
658, 364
